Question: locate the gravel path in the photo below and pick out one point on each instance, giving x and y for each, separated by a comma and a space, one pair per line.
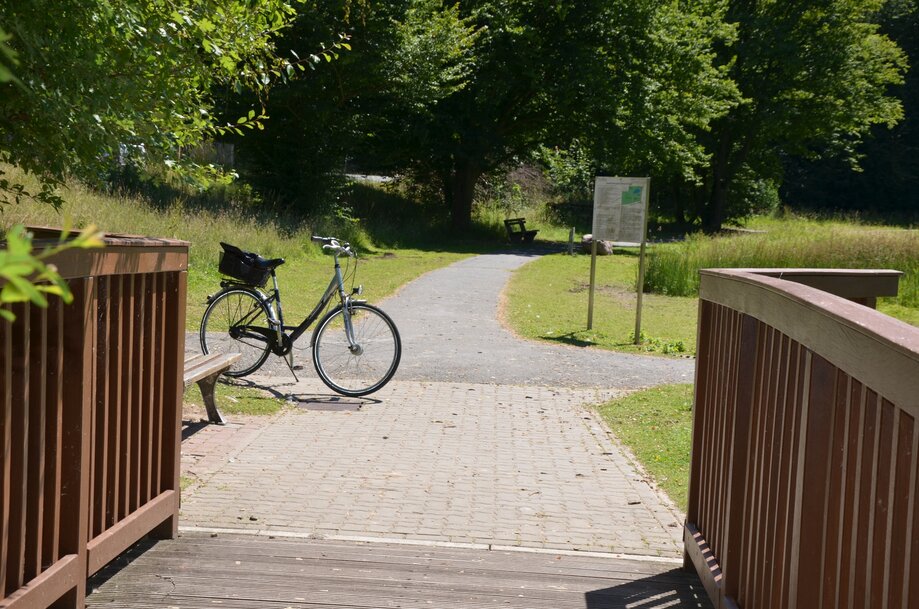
482, 438
450, 331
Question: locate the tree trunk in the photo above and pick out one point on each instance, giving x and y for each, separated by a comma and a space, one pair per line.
722, 175
460, 192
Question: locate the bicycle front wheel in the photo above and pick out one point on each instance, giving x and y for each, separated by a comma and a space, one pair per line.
236, 321
362, 368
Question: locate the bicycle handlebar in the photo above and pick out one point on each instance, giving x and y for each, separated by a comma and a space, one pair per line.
332, 244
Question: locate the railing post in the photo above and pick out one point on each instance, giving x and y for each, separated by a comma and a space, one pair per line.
172, 399
739, 464
79, 373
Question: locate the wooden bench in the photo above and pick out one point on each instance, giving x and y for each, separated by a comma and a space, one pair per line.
204, 370
517, 231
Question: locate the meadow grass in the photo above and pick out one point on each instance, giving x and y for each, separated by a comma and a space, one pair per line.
547, 299
236, 399
656, 426
380, 268
673, 268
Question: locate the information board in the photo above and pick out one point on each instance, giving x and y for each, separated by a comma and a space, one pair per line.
620, 209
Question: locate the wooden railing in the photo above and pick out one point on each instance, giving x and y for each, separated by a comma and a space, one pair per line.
90, 419
803, 489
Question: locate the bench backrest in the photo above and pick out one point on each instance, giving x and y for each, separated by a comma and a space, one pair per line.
515, 225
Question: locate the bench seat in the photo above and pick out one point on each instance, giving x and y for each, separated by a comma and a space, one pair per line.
204, 370
517, 231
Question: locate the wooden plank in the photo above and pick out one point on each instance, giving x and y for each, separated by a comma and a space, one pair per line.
177, 286
199, 366
114, 439
137, 395
880, 351
37, 408
104, 353
79, 341
738, 470
120, 260
132, 527
230, 571
899, 525
61, 578
146, 440
159, 384
836, 493
861, 566
54, 434
126, 448
856, 496
19, 455
879, 575
791, 513
6, 440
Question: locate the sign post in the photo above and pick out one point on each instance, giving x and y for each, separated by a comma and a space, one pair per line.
621, 216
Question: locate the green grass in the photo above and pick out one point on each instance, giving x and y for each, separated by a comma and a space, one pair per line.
381, 269
790, 242
547, 299
241, 400
656, 425
233, 399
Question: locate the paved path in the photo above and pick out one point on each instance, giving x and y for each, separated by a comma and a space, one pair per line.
450, 331
482, 439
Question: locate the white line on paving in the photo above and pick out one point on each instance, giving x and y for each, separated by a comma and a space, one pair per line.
429, 544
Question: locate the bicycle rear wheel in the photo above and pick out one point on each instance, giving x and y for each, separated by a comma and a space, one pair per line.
236, 321
364, 368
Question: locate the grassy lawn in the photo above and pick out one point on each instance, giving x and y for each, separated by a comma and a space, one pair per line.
303, 279
656, 425
381, 269
547, 299
234, 399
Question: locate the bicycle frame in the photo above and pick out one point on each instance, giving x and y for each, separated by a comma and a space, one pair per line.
336, 285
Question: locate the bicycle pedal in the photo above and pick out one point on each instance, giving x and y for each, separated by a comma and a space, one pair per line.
297, 367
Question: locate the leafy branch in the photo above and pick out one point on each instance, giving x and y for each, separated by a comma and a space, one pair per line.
25, 275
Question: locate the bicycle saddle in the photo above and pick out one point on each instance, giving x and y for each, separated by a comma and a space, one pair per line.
253, 259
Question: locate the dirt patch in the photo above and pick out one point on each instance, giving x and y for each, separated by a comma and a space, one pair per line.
621, 296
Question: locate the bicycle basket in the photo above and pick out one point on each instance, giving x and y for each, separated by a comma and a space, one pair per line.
240, 265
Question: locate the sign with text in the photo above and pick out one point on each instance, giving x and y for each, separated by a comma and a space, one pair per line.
620, 209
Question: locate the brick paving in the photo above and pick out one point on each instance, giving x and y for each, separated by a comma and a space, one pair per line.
430, 461
483, 438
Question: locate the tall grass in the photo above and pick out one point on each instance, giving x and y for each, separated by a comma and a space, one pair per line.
673, 269
263, 229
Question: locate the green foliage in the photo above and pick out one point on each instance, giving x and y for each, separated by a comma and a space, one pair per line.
887, 178
547, 300
814, 80
7, 59
406, 56
383, 267
107, 80
570, 170
24, 274
656, 426
796, 242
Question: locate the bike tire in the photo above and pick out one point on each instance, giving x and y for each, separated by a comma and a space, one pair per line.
353, 373
230, 310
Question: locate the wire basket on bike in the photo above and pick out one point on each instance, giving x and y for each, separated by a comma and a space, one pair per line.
241, 266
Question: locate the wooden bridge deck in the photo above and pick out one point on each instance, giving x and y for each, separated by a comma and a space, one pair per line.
235, 571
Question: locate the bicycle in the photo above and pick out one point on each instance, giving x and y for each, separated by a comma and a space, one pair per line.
355, 346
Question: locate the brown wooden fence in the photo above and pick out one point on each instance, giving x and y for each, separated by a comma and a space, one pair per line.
804, 471
90, 419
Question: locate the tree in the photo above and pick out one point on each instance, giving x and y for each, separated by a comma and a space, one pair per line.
452, 91
887, 178
814, 76
405, 57
101, 80
635, 78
